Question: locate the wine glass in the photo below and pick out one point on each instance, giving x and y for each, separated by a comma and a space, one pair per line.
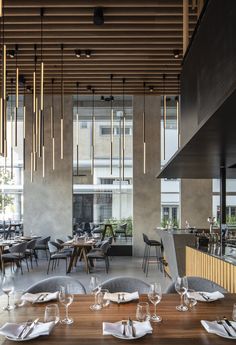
142, 311
8, 289
66, 298
95, 288
181, 286
154, 296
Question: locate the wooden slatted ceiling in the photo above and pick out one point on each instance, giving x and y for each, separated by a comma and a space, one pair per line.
136, 42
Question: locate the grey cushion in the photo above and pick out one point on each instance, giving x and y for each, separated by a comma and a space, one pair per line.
199, 284
53, 284
126, 284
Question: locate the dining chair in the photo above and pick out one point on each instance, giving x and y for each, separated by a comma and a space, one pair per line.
16, 255
125, 284
53, 284
100, 253
56, 255
42, 244
31, 252
199, 284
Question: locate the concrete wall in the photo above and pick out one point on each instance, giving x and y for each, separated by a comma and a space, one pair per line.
48, 201
146, 188
196, 202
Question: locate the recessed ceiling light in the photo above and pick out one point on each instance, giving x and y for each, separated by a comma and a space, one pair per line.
77, 53
151, 88
176, 53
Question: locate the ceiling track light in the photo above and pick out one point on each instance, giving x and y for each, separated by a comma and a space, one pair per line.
98, 16
78, 53
88, 54
11, 54
112, 125
176, 53
151, 89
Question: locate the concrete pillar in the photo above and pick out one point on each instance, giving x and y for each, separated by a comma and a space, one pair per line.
48, 201
146, 188
196, 202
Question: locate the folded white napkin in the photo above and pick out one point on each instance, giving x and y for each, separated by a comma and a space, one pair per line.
216, 328
198, 295
12, 330
45, 297
117, 328
124, 296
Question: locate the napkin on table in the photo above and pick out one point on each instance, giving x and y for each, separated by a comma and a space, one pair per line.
127, 296
14, 329
32, 297
116, 328
216, 328
213, 296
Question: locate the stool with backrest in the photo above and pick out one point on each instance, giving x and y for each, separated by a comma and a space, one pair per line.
158, 253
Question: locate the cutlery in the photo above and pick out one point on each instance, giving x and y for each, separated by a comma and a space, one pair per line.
229, 323
227, 331
124, 323
44, 297
131, 324
27, 324
30, 328
118, 300
38, 298
123, 297
206, 298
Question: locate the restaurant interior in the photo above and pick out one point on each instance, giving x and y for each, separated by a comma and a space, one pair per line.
117, 171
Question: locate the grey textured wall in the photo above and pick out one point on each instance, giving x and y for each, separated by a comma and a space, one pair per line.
196, 202
48, 201
146, 188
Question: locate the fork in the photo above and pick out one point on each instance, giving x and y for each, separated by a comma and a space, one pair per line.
118, 299
222, 324
27, 324
123, 297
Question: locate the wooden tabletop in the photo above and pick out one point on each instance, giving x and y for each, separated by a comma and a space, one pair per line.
178, 328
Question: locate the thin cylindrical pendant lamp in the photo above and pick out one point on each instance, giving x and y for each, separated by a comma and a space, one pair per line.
62, 102
123, 137
144, 128
112, 127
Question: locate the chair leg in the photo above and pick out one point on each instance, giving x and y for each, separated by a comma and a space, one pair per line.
21, 266
148, 258
66, 266
48, 265
26, 260
144, 256
107, 264
145, 259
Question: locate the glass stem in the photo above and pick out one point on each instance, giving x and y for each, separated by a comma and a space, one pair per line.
181, 299
67, 316
155, 310
8, 301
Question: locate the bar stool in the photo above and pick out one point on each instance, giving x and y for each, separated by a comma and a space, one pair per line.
146, 256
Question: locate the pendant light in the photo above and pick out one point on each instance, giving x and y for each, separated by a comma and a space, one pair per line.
123, 137
35, 112
112, 125
24, 124
178, 112
62, 102
42, 99
11, 129
144, 128
77, 129
93, 135
3, 117
17, 93
1, 8
32, 147
164, 116
52, 127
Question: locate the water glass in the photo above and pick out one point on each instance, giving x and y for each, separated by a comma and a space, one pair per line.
234, 312
52, 313
66, 298
8, 289
142, 311
18, 301
181, 286
105, 300
98, 301
189, 299
155, 296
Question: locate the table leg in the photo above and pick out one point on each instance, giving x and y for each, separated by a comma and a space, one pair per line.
73, 256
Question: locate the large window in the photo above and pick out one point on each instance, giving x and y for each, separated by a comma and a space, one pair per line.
99, 193
11, 167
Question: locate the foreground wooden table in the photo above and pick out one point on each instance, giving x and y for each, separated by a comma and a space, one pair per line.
177, 328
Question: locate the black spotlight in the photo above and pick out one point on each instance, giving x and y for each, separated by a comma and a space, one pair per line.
102, 98
88, 54
28, 88
11, 54
176, 53
151, 88
98, 18
77, 53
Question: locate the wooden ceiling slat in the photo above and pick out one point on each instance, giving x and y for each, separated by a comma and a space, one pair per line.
136, 42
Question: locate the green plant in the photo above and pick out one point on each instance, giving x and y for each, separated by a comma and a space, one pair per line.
5, 200
174, 223
116, 222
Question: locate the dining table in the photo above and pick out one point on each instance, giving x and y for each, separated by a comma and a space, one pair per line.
80, 249
177, 328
